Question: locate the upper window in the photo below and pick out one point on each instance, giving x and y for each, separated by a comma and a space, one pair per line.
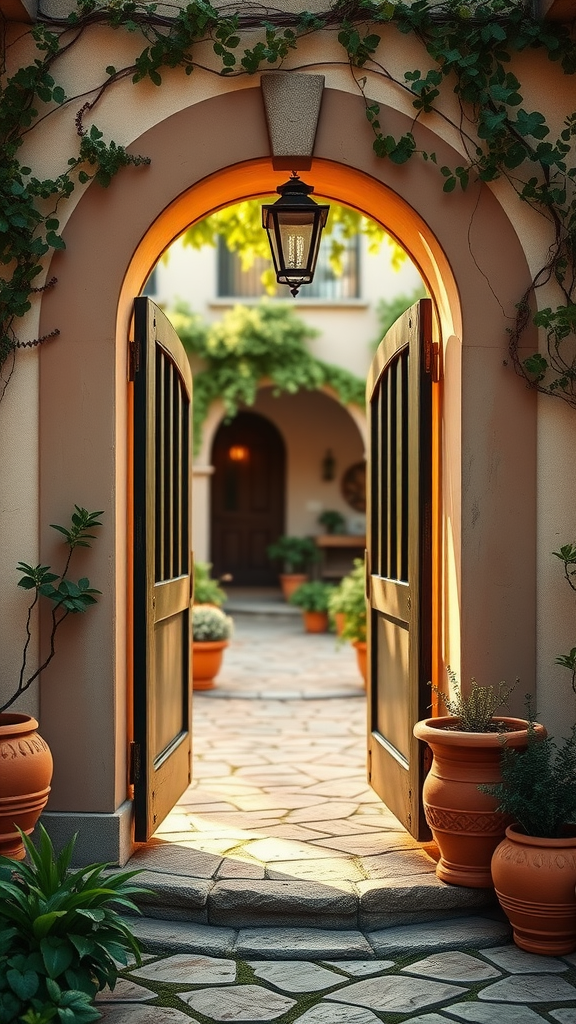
246, 284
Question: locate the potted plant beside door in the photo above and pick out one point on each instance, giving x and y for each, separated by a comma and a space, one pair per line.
313, 599
25, 758
466, 745
293, 553
348, 606
211, 631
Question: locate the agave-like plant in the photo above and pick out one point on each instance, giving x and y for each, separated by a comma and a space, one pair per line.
61, 936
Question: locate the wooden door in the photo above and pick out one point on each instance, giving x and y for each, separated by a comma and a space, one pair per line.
248, 489
162, 749
399, 561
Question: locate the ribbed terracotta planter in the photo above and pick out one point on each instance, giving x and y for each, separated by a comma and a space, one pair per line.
534, 879
25, 774
464, 821
290, 582
360, 646
206, 662
315, 622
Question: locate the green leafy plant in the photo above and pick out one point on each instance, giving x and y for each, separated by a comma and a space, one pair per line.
567, 555
61, 936
210, 624
349, 599
333, 521
475, 711
313, 596
295, 553
207, 590
67, 597
538, 788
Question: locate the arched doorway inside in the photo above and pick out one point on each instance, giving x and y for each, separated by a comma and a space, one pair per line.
248, 498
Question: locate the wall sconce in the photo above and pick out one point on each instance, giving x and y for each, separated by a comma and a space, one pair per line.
328, 466
294, 225
238, 453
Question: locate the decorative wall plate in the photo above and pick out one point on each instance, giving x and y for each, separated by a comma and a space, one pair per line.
353, 486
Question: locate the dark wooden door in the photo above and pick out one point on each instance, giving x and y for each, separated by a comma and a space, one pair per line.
399, 561
162, 749
248, 493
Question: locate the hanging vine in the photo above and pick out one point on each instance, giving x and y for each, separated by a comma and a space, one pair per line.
467, 50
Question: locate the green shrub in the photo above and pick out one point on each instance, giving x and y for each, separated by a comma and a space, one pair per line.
210, 624
293, 552
206, 589
60, 934
313, 596
350, 600
333, 521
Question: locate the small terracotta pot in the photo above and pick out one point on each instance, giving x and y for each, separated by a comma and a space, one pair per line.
360, 646
25, 774
206, 662
290, 582
315, 622
464, 822
534, 879
339, 622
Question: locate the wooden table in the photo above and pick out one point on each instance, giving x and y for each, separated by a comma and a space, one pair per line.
338, 551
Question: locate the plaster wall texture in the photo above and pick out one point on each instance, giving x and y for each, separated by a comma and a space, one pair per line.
498, 423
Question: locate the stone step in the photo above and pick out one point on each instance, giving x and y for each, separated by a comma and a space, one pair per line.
287, 943
299, 903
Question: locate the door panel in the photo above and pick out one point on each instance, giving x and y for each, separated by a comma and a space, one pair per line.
399, 561
162, 568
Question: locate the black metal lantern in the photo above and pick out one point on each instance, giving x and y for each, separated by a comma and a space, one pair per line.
294, 224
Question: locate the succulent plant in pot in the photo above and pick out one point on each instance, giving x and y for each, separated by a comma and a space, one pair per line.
534, 867
211, 631
466, 745
296, 555
27, 768
313, 599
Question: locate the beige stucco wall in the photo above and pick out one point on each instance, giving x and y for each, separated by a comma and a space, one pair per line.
495, 490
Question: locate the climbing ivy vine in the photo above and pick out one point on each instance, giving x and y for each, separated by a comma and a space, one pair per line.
467, 49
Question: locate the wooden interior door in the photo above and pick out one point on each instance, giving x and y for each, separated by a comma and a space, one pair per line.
399, 561
162, 749
248, 495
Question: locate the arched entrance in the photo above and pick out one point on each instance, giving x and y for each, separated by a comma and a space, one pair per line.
248, 495
487, 497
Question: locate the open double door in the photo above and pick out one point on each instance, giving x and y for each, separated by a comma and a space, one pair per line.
398, 574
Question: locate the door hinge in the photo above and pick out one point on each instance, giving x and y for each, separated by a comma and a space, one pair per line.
134, 763
369, 765
133, 359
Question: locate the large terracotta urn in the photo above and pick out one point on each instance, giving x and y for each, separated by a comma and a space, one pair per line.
464, 822
535, 879
206, 662
25, 775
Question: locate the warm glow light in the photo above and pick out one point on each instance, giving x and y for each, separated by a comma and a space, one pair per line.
238, 453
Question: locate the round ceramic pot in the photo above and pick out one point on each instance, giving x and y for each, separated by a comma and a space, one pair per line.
360, 646
464, 822
315, 622
206, 662
534, 879
25, 774
290, 582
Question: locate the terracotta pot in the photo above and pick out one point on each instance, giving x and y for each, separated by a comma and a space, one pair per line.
290, 582
206, 662
339, 622
360, 646
534, 879
25, 774
464, 821
315, 622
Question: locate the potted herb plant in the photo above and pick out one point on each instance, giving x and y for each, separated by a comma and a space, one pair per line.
61, 937
332, 521
294, 553
313, 599
27, 762
207, 590
348, 606
534, 867
211, 631
466, 745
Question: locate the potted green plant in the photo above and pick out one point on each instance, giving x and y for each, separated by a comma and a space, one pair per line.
466, 744
313, 599
61, 937
348, 607
332, 521
211, 631
294, 553
534, 867
27, 762
207, 590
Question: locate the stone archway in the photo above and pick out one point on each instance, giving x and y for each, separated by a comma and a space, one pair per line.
487, 489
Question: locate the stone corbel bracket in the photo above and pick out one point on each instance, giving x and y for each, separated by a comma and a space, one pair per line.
292, 107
